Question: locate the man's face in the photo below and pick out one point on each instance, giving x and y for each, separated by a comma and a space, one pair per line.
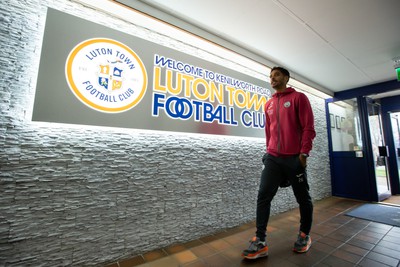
278, 80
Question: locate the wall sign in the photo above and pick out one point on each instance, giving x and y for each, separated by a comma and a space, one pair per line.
95, 75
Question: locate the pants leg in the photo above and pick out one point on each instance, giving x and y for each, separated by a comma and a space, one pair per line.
271, 177
301, 189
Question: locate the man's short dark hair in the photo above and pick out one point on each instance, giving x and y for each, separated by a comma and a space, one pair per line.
282, 70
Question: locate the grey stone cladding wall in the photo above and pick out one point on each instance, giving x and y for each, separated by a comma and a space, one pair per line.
80, 196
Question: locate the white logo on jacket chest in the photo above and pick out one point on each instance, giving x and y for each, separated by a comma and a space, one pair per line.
286, 104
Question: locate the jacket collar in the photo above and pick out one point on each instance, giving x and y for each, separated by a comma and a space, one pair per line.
287, 91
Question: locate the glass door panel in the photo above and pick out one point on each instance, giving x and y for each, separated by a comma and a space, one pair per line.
379, 150
345, 126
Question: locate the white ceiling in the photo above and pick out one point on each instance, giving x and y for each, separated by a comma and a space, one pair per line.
334, 44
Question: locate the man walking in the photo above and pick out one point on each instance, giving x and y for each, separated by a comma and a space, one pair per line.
289, 131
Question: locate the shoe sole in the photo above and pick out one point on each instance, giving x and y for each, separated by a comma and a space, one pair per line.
255, 256
302, 251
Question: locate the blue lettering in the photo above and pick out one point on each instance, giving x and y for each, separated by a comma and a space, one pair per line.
157, 104
207, 112
197, 105
253, 119
184, 109
181, 108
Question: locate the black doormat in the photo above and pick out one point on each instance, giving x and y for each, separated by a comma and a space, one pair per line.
377, 213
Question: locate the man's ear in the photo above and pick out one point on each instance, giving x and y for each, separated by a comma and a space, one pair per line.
287, 79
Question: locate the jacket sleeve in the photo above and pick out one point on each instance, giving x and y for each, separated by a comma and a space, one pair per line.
306, 119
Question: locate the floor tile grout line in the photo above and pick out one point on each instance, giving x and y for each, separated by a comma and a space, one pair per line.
215, 252
347, 241
375, 245
341, 213
344, 243
337, 215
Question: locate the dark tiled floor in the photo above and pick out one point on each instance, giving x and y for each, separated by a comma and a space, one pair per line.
338, 240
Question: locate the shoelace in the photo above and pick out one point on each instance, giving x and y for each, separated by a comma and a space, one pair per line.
255, 244
301, 240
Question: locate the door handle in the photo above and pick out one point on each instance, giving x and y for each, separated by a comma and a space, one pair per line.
383, 151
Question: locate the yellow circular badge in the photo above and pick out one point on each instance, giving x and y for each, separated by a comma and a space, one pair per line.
106, 75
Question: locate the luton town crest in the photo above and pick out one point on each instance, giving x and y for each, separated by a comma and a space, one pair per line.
110, 76
106, 75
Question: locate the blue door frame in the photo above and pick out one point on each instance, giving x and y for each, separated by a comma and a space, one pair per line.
391, 104
352, 176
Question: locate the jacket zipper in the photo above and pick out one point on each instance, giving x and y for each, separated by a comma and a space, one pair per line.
279, 125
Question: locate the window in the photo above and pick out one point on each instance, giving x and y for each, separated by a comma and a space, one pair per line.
345, 125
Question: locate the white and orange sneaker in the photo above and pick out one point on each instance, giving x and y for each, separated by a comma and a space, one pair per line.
257, 249
303, 243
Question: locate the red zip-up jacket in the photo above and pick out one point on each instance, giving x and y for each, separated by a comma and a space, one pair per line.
289, 127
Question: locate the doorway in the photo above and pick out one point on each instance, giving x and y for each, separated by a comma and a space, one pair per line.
379, 150
395, 123
351, 171
364, 144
